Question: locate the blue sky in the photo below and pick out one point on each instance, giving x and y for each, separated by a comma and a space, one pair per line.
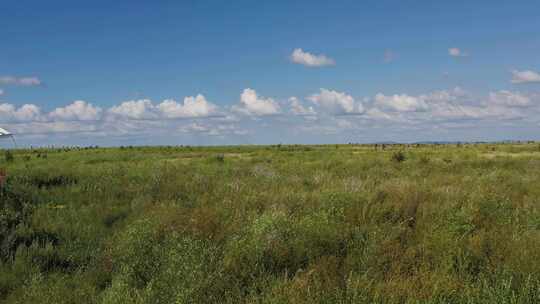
390, 70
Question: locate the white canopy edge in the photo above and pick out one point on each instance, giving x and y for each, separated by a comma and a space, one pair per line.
4, 132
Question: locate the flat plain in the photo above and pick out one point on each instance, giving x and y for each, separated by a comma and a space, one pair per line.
456, 223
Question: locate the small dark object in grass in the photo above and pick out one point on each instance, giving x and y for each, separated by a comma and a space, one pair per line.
53, 181
220, 158
424, 160
3, 177
398, 156
8, 155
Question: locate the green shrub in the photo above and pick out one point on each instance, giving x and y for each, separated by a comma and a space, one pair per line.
424, 160
398, 157
220, 158
151, 266
8, 156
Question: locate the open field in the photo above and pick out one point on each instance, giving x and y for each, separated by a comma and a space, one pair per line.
272, 224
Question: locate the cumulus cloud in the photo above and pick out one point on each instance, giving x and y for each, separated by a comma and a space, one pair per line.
191, 107
134, 109
78, 110
252, 104
526, 76
448, 105
510, 99
456, 52
322, 113
297, 108
400, 103
25, 113
310, 60
337, 103
22, 81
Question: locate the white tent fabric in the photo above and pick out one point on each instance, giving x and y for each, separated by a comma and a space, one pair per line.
4, 132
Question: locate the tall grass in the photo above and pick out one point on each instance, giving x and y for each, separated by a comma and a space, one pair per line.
280, 224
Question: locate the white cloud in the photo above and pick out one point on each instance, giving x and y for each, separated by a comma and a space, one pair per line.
252, 104
444, 96
447, 105
22, 81
510, 99
526, 76
456, 52
211, 129
377, 114
53, 127
191, 107
1, 92
337, 103
456, 111
298, 109
193, 128
27, 112
400, 103
146, 122
134, 109
78, 110
310, 60
457, 105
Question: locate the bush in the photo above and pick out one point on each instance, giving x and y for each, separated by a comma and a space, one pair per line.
3, 177
220, 158
159, 267
424, 160
398, 156
8, 156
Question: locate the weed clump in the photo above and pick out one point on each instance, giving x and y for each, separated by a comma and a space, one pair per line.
398, 156
424, 160
8, 156
220, 158
41, 155
3, 177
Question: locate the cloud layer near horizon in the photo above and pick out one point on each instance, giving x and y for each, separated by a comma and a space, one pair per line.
324, 112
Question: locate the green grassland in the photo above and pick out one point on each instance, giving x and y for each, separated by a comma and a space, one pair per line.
272, 224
